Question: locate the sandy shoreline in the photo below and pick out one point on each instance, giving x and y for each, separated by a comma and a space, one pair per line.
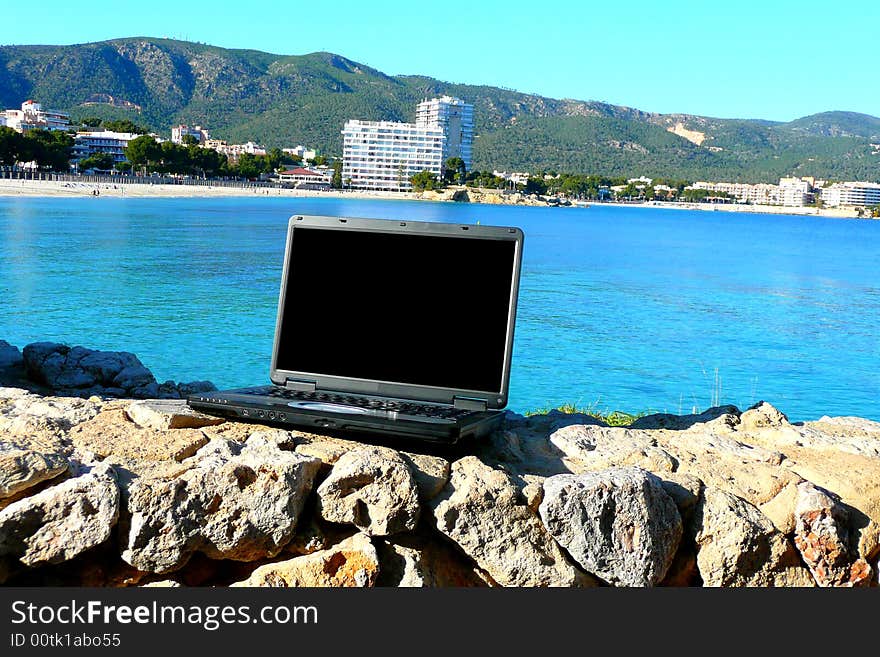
51, 188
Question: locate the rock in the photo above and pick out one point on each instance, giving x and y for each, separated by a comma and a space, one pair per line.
618, 524
10, 356
371, 488
761, 416
822, 536
430, 472
738, 546
112, 433
62, 521
168, 414
598, 448
29, 416
717, 415
239, 503
162, 584
351, 563
21, 469
422, 561
482, 511
133, 377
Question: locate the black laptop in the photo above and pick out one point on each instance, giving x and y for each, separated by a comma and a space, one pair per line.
401, 328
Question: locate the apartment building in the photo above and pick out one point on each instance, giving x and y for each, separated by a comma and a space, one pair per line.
234, 151
197, 132
384, 155
32, 116
863, 194
87, 144
456, 118
791, 192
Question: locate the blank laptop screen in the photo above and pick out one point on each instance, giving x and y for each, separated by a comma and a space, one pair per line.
413, 309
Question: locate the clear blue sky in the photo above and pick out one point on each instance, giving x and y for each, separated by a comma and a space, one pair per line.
728, 58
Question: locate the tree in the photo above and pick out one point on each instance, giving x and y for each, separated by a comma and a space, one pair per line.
50, 149
91, 122
248, 166
102, 161
336, 181
536, 185
124, 125
189, 140
424, 180
454, 170
143, 152
10, 146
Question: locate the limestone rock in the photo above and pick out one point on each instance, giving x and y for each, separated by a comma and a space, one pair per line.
482, 511
40, 421
112, 433
62, 521
823, 538
162, 414
738, 546
239, 503
761, 416
162, 584
598, 448
371, 488
422, 561
618, 524
720, 416
21, 469
351, 563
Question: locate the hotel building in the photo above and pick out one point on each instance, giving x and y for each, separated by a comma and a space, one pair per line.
862, 194
87, 144
456, 118
384, 155
197, 132
32, 116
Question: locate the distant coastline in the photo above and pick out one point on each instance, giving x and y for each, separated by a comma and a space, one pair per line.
50, 188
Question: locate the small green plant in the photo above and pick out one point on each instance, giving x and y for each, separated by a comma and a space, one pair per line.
611, 418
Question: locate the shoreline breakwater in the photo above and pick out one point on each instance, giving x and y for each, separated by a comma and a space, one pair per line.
107, 490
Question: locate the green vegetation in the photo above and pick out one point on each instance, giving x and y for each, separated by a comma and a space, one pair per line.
611, 418
49, 149
282, 100
424, 180
98, 161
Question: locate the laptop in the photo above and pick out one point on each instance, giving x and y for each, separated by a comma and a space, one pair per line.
388, 327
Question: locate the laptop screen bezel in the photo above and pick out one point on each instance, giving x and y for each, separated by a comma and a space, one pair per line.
494, 399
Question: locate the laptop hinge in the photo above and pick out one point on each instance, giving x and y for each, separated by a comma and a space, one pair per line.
300, 386
469, 403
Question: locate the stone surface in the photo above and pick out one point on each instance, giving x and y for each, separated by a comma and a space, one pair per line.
21, 469
35, 422
417, 560
482, 511
373, 489
738, 546
162, 414
822, 536
351, 563
618, 524
85, 372
62, 521
10, 355
239, 503
112, 433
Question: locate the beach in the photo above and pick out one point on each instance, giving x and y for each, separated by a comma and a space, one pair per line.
51, 188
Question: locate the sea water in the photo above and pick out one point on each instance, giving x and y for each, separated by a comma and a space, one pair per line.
621, 308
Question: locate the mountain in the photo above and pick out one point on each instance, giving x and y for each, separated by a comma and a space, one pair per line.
280, 100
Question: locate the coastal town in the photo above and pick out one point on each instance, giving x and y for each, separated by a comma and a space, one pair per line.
387, 157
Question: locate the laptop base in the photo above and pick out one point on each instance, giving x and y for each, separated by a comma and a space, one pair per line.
231, 406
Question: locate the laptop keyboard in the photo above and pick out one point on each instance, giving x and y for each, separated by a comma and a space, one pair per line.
400, 407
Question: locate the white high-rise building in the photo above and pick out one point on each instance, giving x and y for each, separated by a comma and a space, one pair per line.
384, 155
863, 194
197, 132
456, 118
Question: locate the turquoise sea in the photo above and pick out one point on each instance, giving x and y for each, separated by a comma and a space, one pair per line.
620, 308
